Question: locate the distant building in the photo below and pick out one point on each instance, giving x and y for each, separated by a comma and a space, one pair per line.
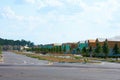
110, 43
69, 47
92, 43
76, 47
49, 46
66, 47
82, 44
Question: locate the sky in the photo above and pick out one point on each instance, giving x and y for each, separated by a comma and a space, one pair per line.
58, 21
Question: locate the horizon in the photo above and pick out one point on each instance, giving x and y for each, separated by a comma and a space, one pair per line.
59, 21
116, 38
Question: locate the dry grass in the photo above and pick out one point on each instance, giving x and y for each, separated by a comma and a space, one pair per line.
56, 58
1, 58
53, 58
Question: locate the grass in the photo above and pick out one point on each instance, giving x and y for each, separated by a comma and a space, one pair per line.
52, 58
77, 57
1, 57
63, 59
72, 59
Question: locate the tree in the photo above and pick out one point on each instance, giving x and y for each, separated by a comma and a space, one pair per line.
51, 50
116, 50
60, 49
105, 48
0, 50
64, 49
56, 49
17, 42
98, 47
84, 50
78, 50
90, 51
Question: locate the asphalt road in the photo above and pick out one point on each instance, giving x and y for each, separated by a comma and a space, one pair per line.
15, 59
14, 68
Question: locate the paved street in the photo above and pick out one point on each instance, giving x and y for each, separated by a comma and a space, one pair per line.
15, 59
19, 67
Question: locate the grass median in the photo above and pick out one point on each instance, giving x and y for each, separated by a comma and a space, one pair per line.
61, 58
1, 58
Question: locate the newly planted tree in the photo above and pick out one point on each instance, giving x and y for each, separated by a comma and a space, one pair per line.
60, 49
0, 50
116, 51
90, 51
84, 51
98, 48
78, 50
105, 48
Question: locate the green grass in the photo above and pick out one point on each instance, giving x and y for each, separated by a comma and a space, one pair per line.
34, 56
77, 57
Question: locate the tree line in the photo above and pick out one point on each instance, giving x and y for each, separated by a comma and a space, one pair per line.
101, 50
0, 50
97, 51
15, 42
54, 49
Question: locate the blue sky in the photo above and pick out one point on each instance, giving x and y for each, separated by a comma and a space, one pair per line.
57, 21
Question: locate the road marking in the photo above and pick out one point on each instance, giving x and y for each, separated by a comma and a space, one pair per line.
25, 62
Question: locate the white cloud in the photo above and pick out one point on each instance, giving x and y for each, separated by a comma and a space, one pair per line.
54, 3
7, 12
100, 13
94, 20
73, 2
44, 3
30, 1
